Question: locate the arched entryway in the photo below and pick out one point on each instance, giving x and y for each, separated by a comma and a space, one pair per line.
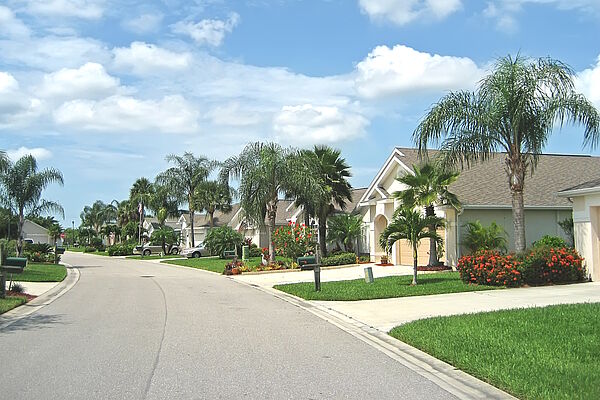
381, 223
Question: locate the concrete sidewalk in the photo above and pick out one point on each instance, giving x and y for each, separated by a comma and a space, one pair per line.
384, 314
37, 288
327, 275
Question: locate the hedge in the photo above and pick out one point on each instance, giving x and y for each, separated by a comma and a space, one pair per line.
339, 259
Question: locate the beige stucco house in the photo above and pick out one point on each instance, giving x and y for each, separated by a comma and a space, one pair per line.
37, 233
485, 196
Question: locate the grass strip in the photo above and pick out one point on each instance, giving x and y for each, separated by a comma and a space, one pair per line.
41, 272
11, 302
536, 353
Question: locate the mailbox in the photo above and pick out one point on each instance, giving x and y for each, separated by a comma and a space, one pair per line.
307, 262
18, 262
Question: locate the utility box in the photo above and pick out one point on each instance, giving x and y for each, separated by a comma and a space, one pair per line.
245, 252
369, 274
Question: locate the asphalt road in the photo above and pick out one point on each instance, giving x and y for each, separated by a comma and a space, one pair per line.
180, 333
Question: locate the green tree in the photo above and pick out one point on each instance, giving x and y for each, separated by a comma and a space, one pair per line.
514, 110
410, 225
212, 196
126, 212
427, 188
266, 171
184, 177
141, 192
54, 232
479, 237
163, 203
345, 229
22, 186
221, 239
165, 235
98, 214
332, 171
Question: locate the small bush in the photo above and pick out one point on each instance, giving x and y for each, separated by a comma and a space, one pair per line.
90, 249
364, 258
339, 259
550, 241
480, 238
124, 249
490, 268
17, 288
544, 265
96, 242
224, 238
255, 251
42, 248
10, 247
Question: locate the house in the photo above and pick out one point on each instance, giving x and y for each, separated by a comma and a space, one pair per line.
202, 225
37, 233
485, 196
586, 222
151, 223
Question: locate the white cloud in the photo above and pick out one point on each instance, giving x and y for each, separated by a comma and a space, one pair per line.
401, 69
234, 114
318, 124
85, 9
402, 12
117, 114
207, 31
90, 81
143, 58
10, 25
15, 106
38, 152
588, 83
145, 23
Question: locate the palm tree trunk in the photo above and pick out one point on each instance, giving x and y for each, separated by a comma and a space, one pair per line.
211, 218
415, 263
271, 214
20, 234
518, 214
323, 234
192, 226
433, 257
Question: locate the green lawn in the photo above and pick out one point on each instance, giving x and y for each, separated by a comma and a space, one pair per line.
153, 257
209, 263
35, 272
382, 288
536, 353
76, 249
11, 302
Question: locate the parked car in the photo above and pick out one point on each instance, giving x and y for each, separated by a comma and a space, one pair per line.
195, 252
149, 249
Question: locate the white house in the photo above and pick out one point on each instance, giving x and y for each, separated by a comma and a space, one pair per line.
37, 233
485, 196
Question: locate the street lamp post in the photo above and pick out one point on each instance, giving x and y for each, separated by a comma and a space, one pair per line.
73, 233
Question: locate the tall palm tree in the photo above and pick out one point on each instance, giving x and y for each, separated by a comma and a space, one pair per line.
22, 187
513, 110
333, 172
126, 211
265, 172
184, 177
212, 196
141, 192
427, 188
410, 225
98, 214
164, 203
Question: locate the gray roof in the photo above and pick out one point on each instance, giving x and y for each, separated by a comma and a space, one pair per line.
585, 185
486, 184
219, 218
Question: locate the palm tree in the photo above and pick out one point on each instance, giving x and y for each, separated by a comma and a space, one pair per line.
164, 203
479, 237
427, 188
126, 212
183, 179
212, 196
410, 225
513, 110
266, 171
333, 172
22, 187
141, 192
345, 229
98, 214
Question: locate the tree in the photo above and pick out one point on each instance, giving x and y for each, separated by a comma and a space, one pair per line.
222, 239
212, 196
410, 225
163, 203
332, 170
97, 214
427, 188
345, 229
513, 110
126, 212
266, 171
183, 179
163, 236
141, 192
54, 232
22, 187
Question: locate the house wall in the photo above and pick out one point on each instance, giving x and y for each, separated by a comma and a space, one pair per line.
586, 229
537, 223
37, 233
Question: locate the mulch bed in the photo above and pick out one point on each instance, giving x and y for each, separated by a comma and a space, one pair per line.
385, 265
434, 268
29, 297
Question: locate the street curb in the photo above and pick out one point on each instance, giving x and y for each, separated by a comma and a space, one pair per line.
18, 313
454, 381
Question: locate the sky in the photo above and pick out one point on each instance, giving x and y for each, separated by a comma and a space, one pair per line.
104, 89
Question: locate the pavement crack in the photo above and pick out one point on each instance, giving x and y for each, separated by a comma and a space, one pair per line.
162, 339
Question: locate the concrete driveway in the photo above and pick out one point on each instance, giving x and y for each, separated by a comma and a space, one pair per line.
138, 330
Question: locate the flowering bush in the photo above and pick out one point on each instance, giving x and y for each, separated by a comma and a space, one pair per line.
544, 265
293, 241
490, 268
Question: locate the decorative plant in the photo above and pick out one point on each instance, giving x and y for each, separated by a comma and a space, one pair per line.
345, 229
479, 237
293, 240
224, 238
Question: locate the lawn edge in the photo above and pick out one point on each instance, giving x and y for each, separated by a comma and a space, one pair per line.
453, 380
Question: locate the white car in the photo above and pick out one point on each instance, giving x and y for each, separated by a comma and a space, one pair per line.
195, 252
148, 249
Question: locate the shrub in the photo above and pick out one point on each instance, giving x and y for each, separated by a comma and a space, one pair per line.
96, 242
339, 259
17, 288
490, 268
364, 258
550, 241
293, 240
124, 249
479, 237
89, 249
10, 247
255, 251
42, 248
544, 265
224, 238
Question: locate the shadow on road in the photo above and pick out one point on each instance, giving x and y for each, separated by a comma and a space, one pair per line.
33, 322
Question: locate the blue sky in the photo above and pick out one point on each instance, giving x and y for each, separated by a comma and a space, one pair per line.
104, 89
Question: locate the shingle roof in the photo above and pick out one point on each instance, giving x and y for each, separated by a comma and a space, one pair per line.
220, 218
485, 184
585, 185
